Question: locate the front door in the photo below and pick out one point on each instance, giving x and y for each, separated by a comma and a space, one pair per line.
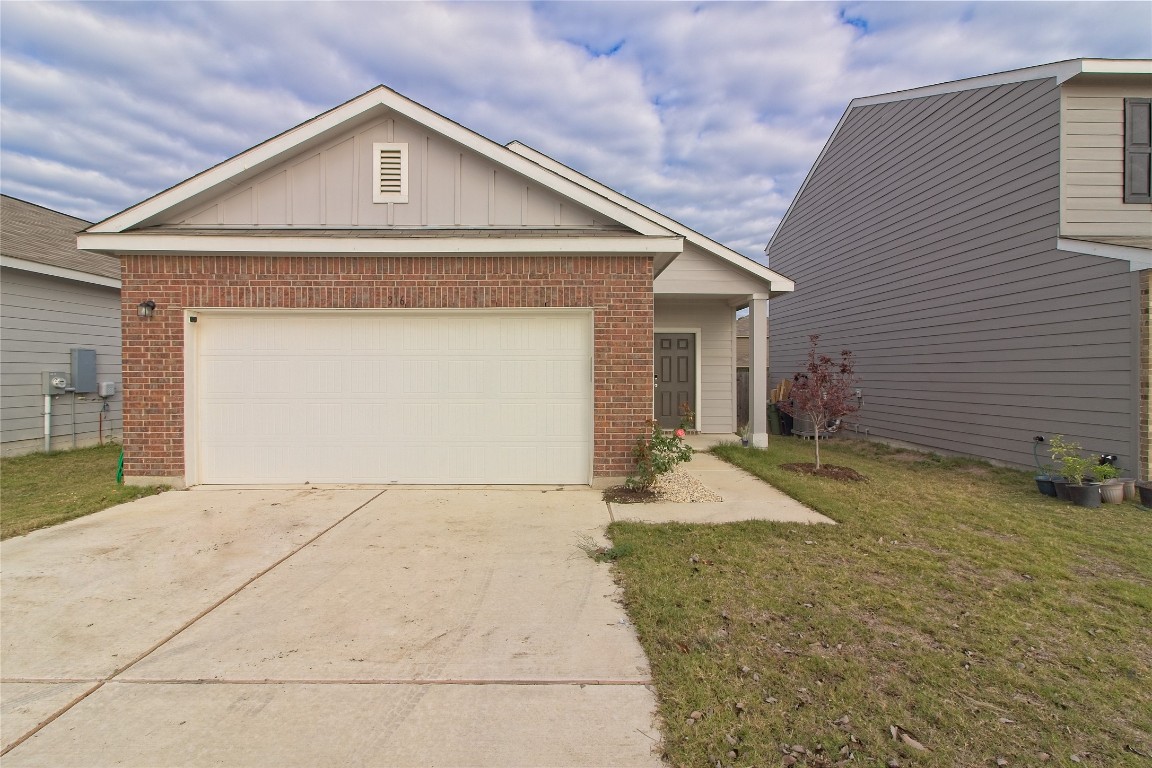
675, 377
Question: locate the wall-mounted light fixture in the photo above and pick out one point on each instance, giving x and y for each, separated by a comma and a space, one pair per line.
146, 308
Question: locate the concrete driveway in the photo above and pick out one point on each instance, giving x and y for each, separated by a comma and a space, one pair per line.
350, 627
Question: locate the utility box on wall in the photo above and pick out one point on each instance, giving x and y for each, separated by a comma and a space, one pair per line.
84, 370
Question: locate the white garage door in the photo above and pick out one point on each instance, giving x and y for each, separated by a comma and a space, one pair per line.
408, 397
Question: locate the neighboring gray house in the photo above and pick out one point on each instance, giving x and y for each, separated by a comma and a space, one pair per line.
984, 248
53, 299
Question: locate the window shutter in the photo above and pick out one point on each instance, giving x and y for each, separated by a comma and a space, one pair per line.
390, 176
1137, 150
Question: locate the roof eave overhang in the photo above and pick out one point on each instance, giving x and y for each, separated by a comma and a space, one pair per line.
727, 255
130, 243
50, 270
380, 98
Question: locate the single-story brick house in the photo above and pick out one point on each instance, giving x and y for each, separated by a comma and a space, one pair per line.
382, 295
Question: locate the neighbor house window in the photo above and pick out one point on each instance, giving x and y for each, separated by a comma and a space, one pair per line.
390, 162
1137, 150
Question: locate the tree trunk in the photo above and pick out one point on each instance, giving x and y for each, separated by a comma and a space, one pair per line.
817, 439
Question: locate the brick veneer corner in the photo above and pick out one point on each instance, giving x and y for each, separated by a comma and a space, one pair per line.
617, 288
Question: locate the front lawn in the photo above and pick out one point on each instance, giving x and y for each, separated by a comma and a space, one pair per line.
43, 489
954, 617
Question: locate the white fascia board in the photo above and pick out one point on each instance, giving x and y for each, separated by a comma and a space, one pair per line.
124, 243
1138, 258
380, 96
738, 260
1062, 71
62, 272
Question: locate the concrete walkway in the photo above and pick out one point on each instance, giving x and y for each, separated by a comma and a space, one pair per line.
745, 496
355, 627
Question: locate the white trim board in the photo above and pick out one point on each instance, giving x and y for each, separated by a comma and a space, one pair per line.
148, 243
1138, 258
62, 272
776, 282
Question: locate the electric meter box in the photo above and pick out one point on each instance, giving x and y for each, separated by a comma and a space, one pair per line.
84, 370
53, 382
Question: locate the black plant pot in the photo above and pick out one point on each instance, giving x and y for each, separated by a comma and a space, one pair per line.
1087, 495
1045, 485
1145, 491
1061, 486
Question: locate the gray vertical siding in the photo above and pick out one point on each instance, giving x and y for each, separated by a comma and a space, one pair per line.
925, 242
41, 319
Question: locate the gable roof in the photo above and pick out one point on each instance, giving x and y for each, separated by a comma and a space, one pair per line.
38, 239
377, 101
776, 282
1062, 71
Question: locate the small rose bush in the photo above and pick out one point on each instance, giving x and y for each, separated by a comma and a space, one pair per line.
656, 454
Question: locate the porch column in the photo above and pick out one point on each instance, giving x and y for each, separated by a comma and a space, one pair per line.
758, 370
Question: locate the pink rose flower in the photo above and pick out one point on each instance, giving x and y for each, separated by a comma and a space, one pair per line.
680, 433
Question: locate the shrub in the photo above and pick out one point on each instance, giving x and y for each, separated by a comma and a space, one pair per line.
656, 454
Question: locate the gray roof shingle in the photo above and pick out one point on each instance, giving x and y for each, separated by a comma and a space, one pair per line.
32, 233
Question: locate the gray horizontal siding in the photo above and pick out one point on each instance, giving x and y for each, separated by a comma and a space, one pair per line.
925, 243
41, 320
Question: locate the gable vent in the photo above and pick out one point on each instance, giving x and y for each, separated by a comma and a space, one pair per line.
391, 173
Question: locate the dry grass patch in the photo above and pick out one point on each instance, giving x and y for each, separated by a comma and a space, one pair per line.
961, 610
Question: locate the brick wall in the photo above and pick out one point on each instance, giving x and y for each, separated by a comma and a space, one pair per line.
618, 288
1145, 374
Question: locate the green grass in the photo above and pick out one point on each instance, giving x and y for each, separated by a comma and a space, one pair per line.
952, 601
43, 489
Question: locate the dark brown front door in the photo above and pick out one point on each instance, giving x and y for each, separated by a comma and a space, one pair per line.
675, 376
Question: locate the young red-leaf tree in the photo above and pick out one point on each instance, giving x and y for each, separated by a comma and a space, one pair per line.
825, 391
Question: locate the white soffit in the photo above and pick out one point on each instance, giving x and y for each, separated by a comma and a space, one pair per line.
779, 283
1137, 258
379, 98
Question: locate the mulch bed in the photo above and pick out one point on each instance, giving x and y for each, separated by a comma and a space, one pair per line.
828, 470
622, 494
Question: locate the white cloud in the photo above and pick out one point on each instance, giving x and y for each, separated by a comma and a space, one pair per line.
708, 112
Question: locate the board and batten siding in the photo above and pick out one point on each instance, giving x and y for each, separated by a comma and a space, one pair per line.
329, 186
715, 350
1092, 156
925, 242
41, 319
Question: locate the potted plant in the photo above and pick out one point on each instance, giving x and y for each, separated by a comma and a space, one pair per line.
1075, 467
1145, 491
1111, 492
1058, 448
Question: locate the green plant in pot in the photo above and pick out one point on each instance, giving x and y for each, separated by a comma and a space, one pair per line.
1075, 467
1058, 448
1105, 472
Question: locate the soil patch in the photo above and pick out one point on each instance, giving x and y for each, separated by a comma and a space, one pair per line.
622, 494
828, 470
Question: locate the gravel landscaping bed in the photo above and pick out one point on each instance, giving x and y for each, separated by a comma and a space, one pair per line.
679, 486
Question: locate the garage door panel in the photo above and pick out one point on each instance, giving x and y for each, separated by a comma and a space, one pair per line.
474, 397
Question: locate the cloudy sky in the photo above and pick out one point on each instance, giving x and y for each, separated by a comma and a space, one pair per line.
709, 112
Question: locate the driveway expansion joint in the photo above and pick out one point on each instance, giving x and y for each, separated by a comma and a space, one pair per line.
112, 678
